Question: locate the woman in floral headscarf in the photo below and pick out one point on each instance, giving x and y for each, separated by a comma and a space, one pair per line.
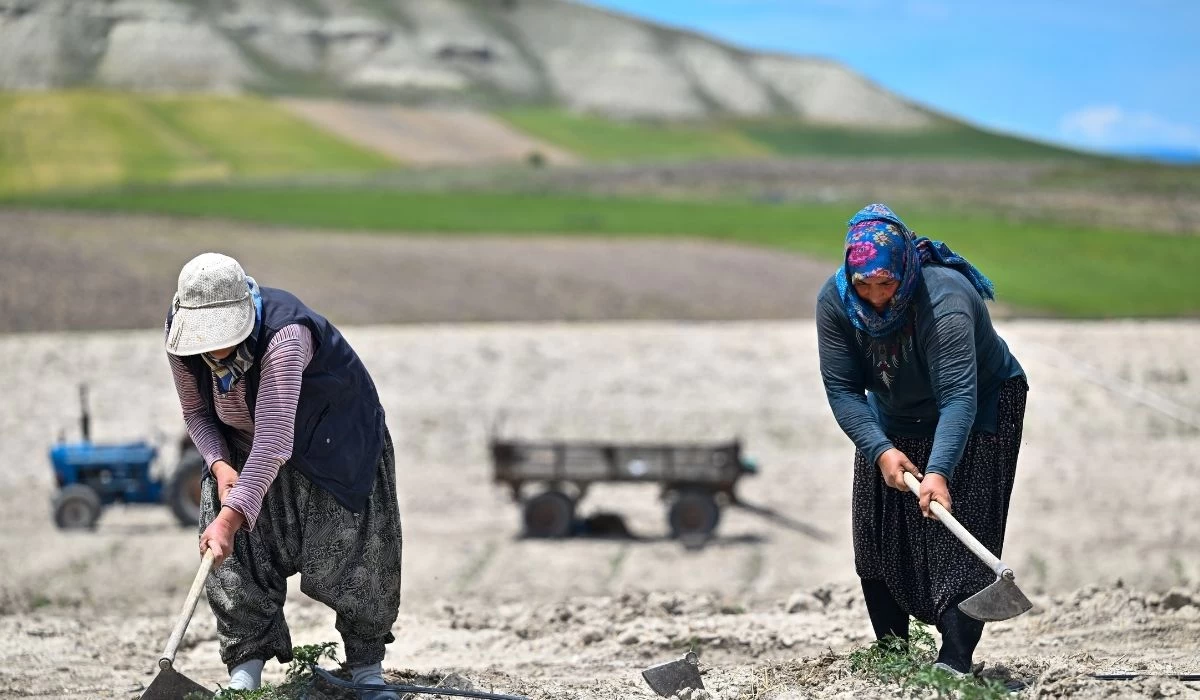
919, 380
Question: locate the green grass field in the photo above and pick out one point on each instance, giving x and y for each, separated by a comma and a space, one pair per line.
84, 139
91, 139
114, 152
946, 141
1059, 269
602, 139
596, 138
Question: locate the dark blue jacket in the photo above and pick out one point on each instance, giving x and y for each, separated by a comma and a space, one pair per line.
339, 420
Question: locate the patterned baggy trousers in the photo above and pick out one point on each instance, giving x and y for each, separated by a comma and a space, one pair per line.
348, 561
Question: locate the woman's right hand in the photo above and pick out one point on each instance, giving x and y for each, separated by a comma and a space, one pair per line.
226, 477
893, 463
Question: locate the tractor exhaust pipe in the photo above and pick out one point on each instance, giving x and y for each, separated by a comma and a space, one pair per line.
85, 418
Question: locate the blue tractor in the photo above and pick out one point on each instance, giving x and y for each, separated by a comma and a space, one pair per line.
91, 476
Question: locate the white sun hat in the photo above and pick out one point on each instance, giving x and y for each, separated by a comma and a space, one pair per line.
212, 306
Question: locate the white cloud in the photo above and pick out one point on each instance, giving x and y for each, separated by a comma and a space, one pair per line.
1110, 126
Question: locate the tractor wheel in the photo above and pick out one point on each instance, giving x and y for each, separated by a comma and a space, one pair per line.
183, 492
77, 507
549, 514
693, 515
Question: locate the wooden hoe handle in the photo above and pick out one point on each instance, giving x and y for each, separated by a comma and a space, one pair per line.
959, 531
185, 615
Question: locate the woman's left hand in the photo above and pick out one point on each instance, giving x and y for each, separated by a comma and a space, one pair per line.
934, 488
219, 534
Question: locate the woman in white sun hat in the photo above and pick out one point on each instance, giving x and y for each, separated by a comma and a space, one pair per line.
300, 472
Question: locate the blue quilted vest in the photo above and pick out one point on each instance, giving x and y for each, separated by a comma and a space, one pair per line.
339, 420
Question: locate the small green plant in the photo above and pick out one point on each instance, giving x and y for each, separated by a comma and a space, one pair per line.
691, 643
304, 657
615, 563
1039, 570
1178, 570
910, 665
299, 676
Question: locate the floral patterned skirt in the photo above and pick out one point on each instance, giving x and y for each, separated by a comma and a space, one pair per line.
924, 565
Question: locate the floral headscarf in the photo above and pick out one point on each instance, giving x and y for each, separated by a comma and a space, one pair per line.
879, 245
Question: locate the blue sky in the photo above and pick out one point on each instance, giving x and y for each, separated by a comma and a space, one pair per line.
1102, 75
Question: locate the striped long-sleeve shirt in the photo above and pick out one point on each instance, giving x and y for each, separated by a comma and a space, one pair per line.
267, 438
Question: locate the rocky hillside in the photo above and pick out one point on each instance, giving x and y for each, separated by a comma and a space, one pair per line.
480, 52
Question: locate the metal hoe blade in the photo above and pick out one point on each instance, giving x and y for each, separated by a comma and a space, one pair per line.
669, 678
999, 601
170, 684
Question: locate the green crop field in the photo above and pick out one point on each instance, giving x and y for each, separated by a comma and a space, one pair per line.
76, 140
1053, 268
945, 141
596, 138
603, 139
241, 158
84, 139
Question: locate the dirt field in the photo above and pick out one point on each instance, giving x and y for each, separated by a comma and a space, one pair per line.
1103, 534
62, 271
425, 136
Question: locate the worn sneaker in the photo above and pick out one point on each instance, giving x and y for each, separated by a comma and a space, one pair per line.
372, 675
246, 675
940, 666
976, 669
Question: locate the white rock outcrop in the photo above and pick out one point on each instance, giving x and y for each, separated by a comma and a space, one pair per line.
502, 51
829, 93
171, 56
724, 78
602, 62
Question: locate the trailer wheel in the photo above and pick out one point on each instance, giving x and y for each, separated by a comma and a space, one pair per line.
183, 492
549, 514
77, 507
694, 514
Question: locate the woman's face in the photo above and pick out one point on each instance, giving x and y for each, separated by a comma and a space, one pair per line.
876, 291
222, 353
